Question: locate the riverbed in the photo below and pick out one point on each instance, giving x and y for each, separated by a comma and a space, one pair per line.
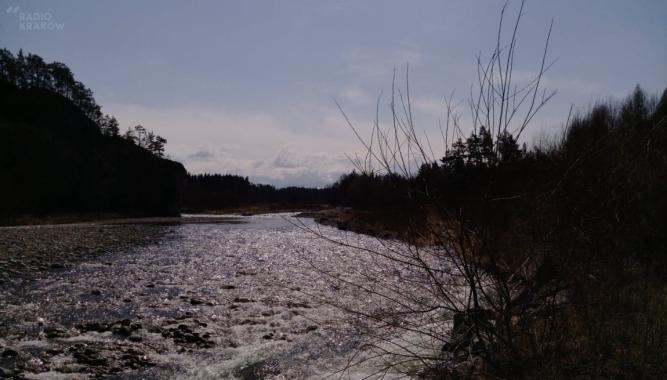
201, 297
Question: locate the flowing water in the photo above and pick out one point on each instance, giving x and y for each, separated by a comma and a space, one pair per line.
244, 297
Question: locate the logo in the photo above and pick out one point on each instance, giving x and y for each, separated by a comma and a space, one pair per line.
34, 21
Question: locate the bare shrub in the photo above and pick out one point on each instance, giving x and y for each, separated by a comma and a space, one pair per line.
463, 306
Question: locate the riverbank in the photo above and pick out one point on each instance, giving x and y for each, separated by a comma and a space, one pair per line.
35, 247
33, 220
386, 224
32, 249
258, 209
394, 224
72, 218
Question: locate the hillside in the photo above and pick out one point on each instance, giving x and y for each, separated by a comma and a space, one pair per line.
55, 160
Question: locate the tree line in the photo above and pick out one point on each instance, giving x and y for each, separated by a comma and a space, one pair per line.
218, 191
570, 231
29, 71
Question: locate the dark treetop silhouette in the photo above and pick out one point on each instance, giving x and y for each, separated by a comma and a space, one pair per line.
60, 155
589, 210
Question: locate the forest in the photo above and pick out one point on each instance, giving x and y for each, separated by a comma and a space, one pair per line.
585, 214
577, 224
60, 155
214, 192
31, 72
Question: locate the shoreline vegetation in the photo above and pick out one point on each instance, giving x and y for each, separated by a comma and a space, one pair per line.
372, 223
560, 247
60, 155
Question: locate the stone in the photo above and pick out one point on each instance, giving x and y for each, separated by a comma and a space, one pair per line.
121, 330
55, 351
94, 326
90, 357
53, 332
9, 353
302, 305
6, 373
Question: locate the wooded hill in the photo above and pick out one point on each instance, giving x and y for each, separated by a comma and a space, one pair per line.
60, 155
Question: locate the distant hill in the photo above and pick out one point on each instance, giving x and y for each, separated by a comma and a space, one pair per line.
55, 159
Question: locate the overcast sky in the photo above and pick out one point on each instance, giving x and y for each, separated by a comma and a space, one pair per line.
248, 87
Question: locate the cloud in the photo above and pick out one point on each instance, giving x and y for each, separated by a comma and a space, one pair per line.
356, 95
291, 167
201, 155
368, 63
286, 159
429, 105
282, 150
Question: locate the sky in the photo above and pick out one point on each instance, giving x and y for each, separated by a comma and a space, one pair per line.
249, 87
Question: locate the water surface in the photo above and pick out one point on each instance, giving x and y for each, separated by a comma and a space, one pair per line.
244, 297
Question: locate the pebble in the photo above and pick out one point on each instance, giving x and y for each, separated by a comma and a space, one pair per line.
195, 301
9, 353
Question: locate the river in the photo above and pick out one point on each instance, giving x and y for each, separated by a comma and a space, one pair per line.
202, 297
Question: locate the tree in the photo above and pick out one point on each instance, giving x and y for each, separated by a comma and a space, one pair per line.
109, 126
21, 77
131, 136
466, 282
38, 76
140, 133
635, 110
508, 148
8, 69
146, 139
156, 145
474, 144
62, 77
486, 147
32, 72
455, 157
